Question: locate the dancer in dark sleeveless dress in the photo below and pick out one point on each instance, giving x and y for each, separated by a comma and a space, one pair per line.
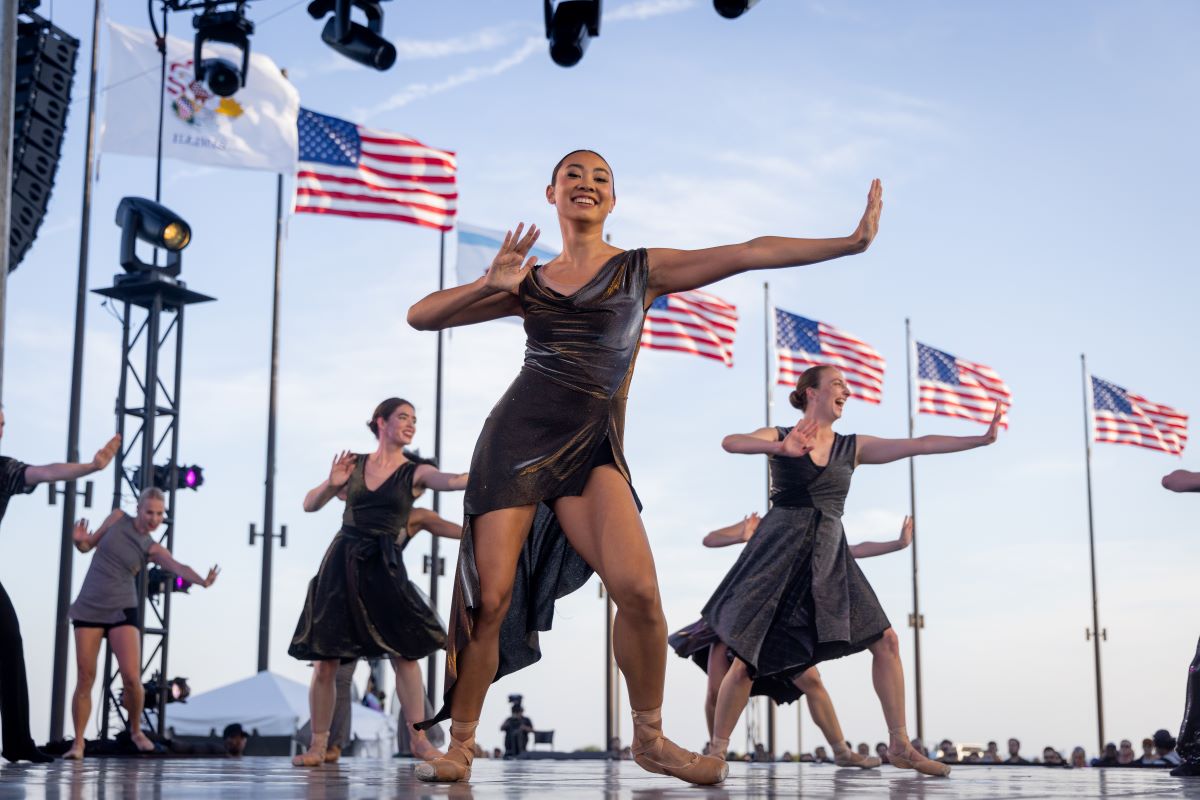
550, 497
1189, 730
700, 643
361, 603
107, 607
795, 596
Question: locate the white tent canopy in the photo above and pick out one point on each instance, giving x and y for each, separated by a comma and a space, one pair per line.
265, 704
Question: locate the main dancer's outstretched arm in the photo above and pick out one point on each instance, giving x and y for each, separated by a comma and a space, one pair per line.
162, 556
333, 486
870, 549
738, 533
1182, 481
680, 270
873, 450
423, 519
47, 473
85, 541
490, 297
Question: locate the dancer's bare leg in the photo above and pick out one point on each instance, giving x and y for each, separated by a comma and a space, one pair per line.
411, 691
87, 651
497, 537
888, 676
820, 705
125, 641
731, 702
718, 665
322, 694
604, 527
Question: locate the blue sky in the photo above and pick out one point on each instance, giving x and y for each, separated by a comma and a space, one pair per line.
1037, 165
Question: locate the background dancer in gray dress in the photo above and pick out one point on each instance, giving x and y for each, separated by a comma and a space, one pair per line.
795, 597
107, 607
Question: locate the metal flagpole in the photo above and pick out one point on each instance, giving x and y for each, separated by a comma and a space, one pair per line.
434, 559
1096, 633
768, 319
58, 690
916, 621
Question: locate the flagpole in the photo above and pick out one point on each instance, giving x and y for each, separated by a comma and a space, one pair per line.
434, 560
58, 685
1096, 633
767, 326
916, 621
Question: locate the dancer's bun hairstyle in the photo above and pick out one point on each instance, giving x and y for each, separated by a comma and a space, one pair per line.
809, 379
385, 410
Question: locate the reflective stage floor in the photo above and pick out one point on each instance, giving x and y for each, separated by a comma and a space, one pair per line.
173, 779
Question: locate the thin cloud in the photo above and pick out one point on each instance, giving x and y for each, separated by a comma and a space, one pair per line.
645, 9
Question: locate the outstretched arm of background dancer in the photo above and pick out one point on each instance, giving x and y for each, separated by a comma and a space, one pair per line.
85, 541
491, 297
429, 477
869, 549
422, 519
873, 450
680, 270
48, 473
1182, 481
800, 440
339, 474
737, 533
162, 556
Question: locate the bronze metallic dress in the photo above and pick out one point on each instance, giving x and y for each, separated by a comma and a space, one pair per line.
563, 415
361, 604
795, 596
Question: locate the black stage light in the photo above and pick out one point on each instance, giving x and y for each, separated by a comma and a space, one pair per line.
361, 43
159, 581
732, 9
156, 224
187, 476
223, 76
570, 24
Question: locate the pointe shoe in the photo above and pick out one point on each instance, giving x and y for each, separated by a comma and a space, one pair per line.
650, 748
907, 757
455, 766
717, 748
849, 758
422, 748
332, 754
314, 756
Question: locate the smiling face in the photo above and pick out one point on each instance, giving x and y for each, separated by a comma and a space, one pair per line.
399, 427
582, 187
828, 398
150, 514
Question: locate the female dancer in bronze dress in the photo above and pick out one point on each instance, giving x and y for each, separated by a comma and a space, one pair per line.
699, 642
795, 597
361, 604
550, 461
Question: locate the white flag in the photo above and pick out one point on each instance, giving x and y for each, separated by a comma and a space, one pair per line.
477, 247
253, 129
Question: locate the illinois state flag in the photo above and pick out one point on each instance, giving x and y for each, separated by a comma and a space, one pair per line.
254, 129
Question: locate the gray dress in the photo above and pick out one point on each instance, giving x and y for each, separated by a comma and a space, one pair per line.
108, 588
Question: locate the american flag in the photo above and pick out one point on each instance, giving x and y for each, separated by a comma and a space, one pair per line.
801, 343
352, 171
1123, 417
955, 387
692, 322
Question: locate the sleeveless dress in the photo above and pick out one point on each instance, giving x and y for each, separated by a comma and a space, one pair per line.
109, 588
796, 597
563, 415
361, 603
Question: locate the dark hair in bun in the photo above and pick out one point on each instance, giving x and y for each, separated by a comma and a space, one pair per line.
809, 379
385, 410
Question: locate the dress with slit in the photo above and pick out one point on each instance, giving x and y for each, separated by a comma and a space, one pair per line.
562, 416
795, 597
361, 603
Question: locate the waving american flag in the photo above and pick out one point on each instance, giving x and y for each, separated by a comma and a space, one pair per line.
955, 387
1122, 417
801, 343
692, 322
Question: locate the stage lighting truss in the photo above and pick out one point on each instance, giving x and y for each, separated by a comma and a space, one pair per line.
156, 224
570, 25
363, 44
732, 9
213, 24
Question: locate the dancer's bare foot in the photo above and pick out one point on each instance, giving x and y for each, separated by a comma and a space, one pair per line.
141, 742
654, 752
314, 756
903, 755
75, 753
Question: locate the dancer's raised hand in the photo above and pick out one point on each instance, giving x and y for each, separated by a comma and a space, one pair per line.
105, 454
342, 468
868, 226
80, 535
906, 532
749, 526
994, 429
510, 266
211, 578
800, 439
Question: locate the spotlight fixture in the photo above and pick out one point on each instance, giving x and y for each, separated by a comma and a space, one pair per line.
223, 76
570, 24
186, 477
177, 691
159, 581
361, 43
156, 224
732, 9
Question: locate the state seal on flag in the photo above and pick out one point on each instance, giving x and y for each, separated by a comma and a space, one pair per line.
192, 102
